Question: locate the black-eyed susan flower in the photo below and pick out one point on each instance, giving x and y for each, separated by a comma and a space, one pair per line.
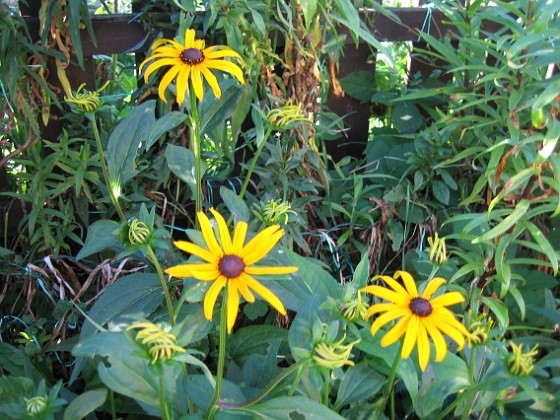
230, 263
420, 316
190, 60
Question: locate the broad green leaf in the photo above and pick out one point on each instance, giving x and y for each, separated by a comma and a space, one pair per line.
506, 224
125, 141
310, 280
407, 118
200, 391
237, 206
359, 84
164, 124
137, 294
253, 339
215, 111
181, 162
85, 403
441, 191
100, 237
360, 382
309, 9
290, 408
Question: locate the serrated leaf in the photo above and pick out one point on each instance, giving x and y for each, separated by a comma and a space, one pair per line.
236, 206
99, 238
440, 191
406, 118
359, 382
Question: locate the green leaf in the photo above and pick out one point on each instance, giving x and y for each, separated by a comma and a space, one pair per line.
181, 162
85, 404
441, 191
359, 84
215, 111
165, 123
309, 9
125, 141
545, 246
310, 280
290, 408
506, 224
359, 383
236, 206
100, 237
253, 339
406, 117
499, 309
138, 294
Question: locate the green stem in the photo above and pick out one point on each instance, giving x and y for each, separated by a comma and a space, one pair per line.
112, 196
470, 392
296, 367
213, 407
112, 404
165, 414
154, 260
326, 389
195, 147
391, 382
254, 163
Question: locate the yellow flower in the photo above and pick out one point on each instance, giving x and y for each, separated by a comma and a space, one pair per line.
333, 355
230, 263
519, 363
190, 60
420, 316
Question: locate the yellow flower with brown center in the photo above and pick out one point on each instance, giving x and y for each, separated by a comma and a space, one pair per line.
421, 316
190, 60
230, 263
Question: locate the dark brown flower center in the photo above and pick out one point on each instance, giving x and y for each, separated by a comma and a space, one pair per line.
231, 266
420, 306
192, 56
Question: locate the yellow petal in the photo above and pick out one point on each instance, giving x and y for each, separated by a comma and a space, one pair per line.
410, 337
261, 244
447, 299
382, 307
396, 332
423, 347
239, 234
209, 236
227, 67
388, 294
197, 85
220, 51
432, 287
211, 79
408, 281
225, 237
437, 337
386, 318
179, 271
166, 80
258, 271
262, 292
232, 304
449, 318
159, 64
393, 284
211, 296
194, 249
182, 83
204, 272
450, 329
245, 292
189, 38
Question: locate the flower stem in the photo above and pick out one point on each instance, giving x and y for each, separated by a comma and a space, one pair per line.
112, 196
470, 392
391, 382
195, 147
165, 415
296, 367
213, 407
154, 260
254, 163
